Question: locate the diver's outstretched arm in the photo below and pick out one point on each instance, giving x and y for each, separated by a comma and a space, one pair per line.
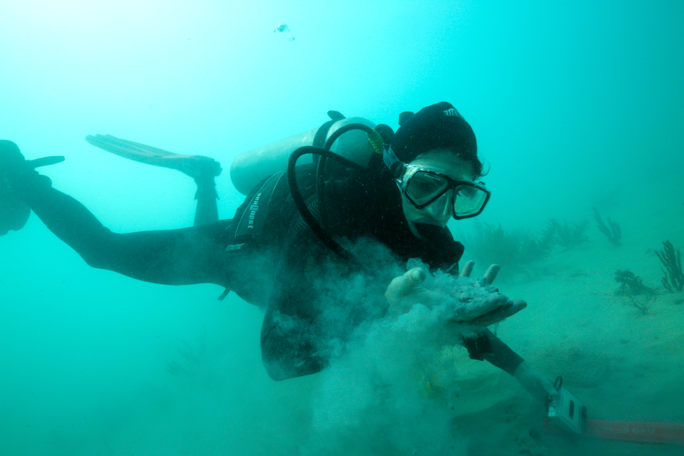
485, 345
490, 348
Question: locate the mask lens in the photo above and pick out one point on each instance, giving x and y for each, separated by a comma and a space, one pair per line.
424, 187
469, 200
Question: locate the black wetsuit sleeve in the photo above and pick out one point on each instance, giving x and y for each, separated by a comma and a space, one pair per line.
487, 346
173, 257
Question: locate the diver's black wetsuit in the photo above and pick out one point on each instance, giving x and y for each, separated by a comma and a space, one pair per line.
311, 297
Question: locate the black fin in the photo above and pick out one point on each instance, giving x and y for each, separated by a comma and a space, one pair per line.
46, 161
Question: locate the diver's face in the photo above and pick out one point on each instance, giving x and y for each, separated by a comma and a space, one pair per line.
440, 211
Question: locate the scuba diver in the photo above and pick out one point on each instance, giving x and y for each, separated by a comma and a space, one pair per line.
309, 236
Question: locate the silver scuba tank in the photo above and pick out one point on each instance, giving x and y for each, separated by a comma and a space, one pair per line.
251, 167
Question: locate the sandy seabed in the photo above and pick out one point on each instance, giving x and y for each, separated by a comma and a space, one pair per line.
87, 371
623, 364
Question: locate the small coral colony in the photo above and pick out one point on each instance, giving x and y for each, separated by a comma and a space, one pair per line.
517, 252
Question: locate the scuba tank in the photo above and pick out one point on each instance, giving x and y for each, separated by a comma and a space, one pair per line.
251, 167
351, 142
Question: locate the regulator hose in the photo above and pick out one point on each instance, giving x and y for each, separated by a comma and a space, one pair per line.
324, 153
304, 211
376, 142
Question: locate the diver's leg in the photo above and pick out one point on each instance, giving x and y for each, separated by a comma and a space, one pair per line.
206, 196
202, 169
176, 257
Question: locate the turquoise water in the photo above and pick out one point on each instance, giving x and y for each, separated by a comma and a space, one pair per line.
574, 104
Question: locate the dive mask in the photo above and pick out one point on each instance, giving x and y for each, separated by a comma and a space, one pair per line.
422, 185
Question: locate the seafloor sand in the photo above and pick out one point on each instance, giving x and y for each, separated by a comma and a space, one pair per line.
623, 365
105, 389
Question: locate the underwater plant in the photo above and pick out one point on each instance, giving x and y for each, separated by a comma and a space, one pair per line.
642, 304
511, 249
612, 231
534, 248
630, 284
192, 359
674, 278
492, 244
570, 236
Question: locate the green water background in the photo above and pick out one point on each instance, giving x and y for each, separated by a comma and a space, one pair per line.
570, 102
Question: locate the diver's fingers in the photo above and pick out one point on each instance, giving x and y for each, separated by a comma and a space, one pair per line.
403, 285
467, 269
503, 312
491, 273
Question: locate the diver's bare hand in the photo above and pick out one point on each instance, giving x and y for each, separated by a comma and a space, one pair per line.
475, 303
406, 290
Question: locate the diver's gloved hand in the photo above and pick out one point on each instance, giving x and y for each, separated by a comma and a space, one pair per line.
474, 303
534, 382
